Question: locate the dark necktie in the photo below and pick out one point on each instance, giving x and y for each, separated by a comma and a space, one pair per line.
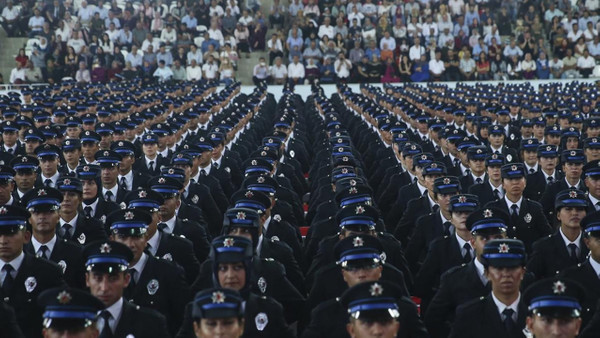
66, 230
109, 196
48, 183
550, 179
8, 280
467, 257
509, 323
415, 179
447, 226
106, 330
597, 205
124, 183
435, 208
478, 180
151, 166
514, 214
162, 226
192, 181
131, 287
467, 172
496, 194
216, 165
43, 252
202, 172
424, 138
88, 211
456, 162
573, 251
531, 171
10, 150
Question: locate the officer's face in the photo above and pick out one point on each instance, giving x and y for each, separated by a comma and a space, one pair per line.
187, 169
216, 153
530, 157
167, 210
548, 163
572, 143
514, 186
126, 163
73, 132
107, 287
30, 146
538, 131
49, 165
570, 217
593, 132
88, 332
552, 140
25, 179
505, 280
444, 200
496, 140
9, 138
232, 275
71, 201
90, 189
494, 173
11, 245
546, 327
459, 218
44, 222
477, 166
150, 149
72, 156
219, 327
573, 170
358, 328
136, 244
6, 188
242, 231
367, 273
592, 154
109, 176
429, 179
89, 149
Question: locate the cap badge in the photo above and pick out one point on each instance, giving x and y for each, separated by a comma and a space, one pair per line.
24, 159
423, 157
228, 242
345, 158
249, 194
128, 215
344, 170
494, 156
254, 162
479, 151
67, 142
376, 289
86, 168
548, 148
66, 181
142, 194
573, 152
413, 147
433, 165
559, 287
353, 190
3, 211
340, 149
513, 168
487, 213
241, 215
358, 241
64, 297
42, 192
462, 199
573, 194
503, 248
352, 183
171, 171
360, 210
260, 180
530, 142
161, 180
105, 248
218, 297
120, 143
179, 155
446, 180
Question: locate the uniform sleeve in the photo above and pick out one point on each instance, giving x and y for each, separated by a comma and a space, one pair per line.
440, 309
461, 327
187, 326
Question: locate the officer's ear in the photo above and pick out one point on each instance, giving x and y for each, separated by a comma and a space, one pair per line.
350, 327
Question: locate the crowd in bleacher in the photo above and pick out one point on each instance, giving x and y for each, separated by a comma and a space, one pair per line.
358, 41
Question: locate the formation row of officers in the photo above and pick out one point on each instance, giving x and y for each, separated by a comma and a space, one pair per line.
187, 221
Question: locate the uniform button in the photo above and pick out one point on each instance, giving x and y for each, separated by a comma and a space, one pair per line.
6, 299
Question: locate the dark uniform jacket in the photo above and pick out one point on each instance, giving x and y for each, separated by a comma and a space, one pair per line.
428, 228
537, 183
480, 317
585, 274
67, 256
415, 209
34, 276
136, 321
180, 251
196, 234
531, 225
484, 191
8, 322
87, 230
161, 286
550, 193
263, 318
103, 209
550, 256
328, 320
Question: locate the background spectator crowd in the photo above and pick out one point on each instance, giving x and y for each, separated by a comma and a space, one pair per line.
357, 41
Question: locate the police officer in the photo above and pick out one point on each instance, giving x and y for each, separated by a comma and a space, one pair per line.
373, 310
93, 204
585, 273
155, 283
48, 155
231, 266
591, 172
502, 312
25, 175
151, 161
218, 312
71, 151
491, 188
476, 156
107, 278
109, 162
24, 276
128, 179
160, 244
565, 248
545, 175
554, 306
69, 312
44, 205
527, 220
7, 185
358, 260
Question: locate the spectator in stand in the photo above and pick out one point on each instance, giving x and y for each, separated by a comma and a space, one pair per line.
150, 56
312, 52
498, 68
513, 68
35, 24
342, 67
390, 73
570, 66
71, 62
54, 13
113, 74
169, 35
150, 41
125, 38
22, 58
512, 49
416, 51
98, 73
372, 50
483, 67
33, 74
83, 74
215, 33
10, 19
327, 71
420, 70
211, 51
326, 29
165, 56
294, 7
134, 58
139, 33
542, 67
436, 67
193, 71
194, 54
17, 74
556, 67
190, 21
215, 10
76, 42
278, 72
179, 72
275, 48
228, 22
226, 72
242, 36
356, 53
163, 73
467, 66
312, 71
296, 70
586, 64
112, 18
260, 72
107, 44
276, 14
210, 70
528, 67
